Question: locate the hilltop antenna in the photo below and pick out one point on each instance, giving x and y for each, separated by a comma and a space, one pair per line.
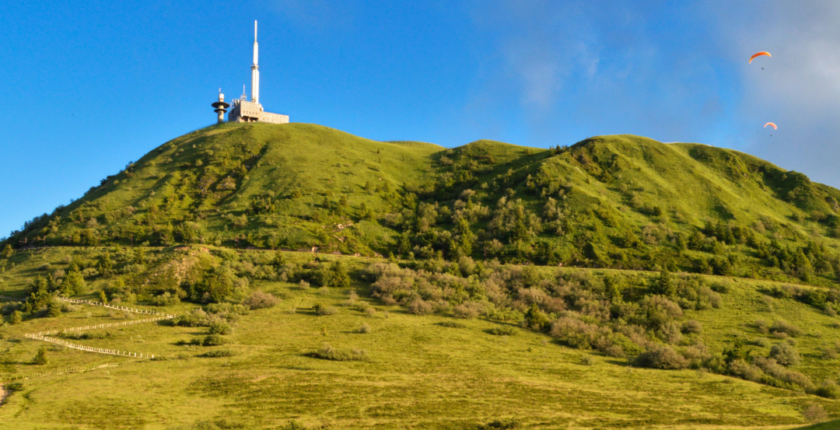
255, 70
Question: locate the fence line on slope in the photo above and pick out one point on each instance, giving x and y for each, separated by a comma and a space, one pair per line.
108, 351
98, 326
78, 369
105, 305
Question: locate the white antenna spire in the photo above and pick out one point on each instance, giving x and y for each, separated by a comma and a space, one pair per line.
255, 70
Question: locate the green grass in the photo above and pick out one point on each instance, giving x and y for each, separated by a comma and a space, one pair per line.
418, 372
619, 202
833, 425
624, 201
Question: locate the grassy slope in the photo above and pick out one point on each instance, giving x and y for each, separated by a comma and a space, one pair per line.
622, 177
418, 369
420, 375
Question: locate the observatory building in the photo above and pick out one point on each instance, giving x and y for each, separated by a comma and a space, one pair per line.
249, 111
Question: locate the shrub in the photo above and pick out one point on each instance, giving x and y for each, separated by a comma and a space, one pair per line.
16, 318
53, 309
785, 354
662, 357
41, 357
762, 342
786, 376
508, 424
614, 351
814, 413
213, 340
742, 369
691, 327
468, 310
166, 299
829, 390
260, 300
420, 307
193, 319
221, 328
574, 332
327, 352
218, 353
782, 326
502, 331
324, 310
364, 328
14, 386
451, 324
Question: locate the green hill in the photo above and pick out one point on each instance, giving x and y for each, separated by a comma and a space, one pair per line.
611, 201
617, 282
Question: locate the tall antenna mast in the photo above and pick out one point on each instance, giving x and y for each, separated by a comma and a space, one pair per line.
255, 70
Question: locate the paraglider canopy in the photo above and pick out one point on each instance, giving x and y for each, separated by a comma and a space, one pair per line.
759, 54
772, 125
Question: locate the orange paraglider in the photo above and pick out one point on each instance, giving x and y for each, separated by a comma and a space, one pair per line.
759, 54
772, 125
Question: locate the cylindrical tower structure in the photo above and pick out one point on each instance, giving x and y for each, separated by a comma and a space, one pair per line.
221, 107
255, 70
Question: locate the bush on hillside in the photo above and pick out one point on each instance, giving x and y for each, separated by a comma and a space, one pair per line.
218, 353
322, 310
785, 354
502, 331
221, 328
661, 357
829, 390
691, 327
814, 413
260, 300
782, 326
420, 307
327, 352
166, 299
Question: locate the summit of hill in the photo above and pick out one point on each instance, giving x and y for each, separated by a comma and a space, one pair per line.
617, 201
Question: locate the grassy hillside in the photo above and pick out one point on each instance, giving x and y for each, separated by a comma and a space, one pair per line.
612, 201
617, 282
442, 369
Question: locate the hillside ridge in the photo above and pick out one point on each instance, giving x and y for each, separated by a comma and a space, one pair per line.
619, 201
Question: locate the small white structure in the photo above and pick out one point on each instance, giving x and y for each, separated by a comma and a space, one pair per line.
252, 111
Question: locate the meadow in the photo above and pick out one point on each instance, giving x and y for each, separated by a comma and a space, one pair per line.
431, 371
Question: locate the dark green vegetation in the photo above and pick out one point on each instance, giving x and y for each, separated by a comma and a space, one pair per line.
698, 287
615, 201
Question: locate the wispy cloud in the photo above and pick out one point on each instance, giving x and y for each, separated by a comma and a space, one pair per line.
671, 71
580, 68
798, 88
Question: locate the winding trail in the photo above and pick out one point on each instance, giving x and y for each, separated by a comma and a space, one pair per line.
46, 337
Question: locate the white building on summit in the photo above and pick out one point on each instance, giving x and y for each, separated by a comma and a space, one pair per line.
250, 111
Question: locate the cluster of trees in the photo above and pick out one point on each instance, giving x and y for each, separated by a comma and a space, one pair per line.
636, 316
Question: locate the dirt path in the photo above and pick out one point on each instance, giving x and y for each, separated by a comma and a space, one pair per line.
3, 394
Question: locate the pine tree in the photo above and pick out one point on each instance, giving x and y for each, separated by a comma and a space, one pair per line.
338, 276
41, 357
73, 284
665, 284
7, 252
17, 317
53, 309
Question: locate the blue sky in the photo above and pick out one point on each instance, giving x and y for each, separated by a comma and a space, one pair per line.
92, 85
